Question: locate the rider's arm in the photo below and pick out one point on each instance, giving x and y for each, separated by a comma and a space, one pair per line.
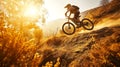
67, 13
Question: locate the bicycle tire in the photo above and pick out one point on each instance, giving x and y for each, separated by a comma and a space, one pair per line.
86, 26
63, 28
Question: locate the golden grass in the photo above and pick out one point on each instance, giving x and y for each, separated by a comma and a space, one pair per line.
15, 51
108, 10
18, 50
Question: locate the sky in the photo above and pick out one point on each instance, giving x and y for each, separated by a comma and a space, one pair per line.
56, 8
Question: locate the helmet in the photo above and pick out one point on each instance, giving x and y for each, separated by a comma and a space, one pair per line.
68, 5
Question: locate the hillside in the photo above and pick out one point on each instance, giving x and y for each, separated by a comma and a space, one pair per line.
97, 48
108, 11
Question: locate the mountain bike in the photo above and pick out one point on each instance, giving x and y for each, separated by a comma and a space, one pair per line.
69, 28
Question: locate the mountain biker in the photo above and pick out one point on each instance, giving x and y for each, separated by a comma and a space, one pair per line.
73, 10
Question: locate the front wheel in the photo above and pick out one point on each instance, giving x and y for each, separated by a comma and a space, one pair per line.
87, 24
68, 28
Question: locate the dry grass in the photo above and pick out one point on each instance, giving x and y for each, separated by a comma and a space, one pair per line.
99, 13
97, 48
16, 50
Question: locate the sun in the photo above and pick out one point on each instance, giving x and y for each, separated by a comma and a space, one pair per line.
31, 11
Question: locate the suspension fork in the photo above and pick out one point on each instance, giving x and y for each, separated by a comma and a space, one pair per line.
69, 23
69, 26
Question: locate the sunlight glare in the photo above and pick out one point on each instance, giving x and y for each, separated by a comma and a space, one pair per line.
31, 11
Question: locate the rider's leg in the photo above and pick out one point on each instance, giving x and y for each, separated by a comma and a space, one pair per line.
77, 22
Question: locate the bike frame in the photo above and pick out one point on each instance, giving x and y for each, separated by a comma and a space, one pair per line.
78, 23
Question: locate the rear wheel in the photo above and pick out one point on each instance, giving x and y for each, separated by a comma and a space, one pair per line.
87, 24
68, 28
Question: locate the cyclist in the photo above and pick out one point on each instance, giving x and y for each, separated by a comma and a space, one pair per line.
73, 10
